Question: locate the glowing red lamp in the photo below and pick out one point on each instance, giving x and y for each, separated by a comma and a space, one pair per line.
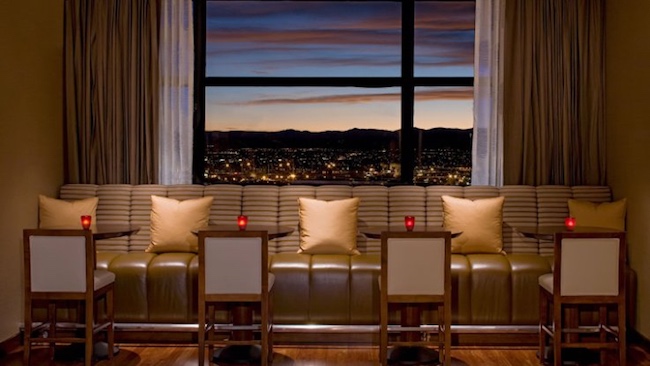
409, 222
85, 221
242, 221
570, 223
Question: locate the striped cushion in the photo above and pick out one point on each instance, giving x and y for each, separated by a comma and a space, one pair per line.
591, 193
141, 213
288, 215
71, 192
406, 201
114, 209
552, 209
379, 205
519, 209
434, 203
260, 204
227, 203
373, 211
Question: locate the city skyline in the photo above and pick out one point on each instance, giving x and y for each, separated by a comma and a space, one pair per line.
442, 156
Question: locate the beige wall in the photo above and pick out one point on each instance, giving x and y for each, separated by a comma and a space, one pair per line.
628, 128
31, 147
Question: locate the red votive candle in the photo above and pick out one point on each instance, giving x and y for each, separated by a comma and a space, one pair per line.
242, 221
409, 222
570, 223
85, 221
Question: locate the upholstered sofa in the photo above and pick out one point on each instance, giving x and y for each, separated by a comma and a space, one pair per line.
499, 290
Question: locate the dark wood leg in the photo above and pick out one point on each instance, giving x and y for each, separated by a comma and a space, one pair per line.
242, 314
410, 317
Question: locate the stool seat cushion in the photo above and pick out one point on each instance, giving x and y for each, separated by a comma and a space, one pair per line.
546, 281
103, 278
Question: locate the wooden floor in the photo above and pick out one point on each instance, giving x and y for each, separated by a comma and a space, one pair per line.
141, 355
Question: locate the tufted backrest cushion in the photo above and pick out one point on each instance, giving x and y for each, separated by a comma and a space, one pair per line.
379, 205
519, 209
114, 210
288, 215
227, 203
406, 201
373, 211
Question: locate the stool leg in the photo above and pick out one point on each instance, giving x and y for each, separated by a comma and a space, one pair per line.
383, 335
211, 330
88, 341
110, 312
27, 336
557, 333
602, 332
51, 315
543, 321
201, 332
447, 334
622, 334
264, 338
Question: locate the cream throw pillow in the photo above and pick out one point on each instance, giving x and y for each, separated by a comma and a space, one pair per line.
480, 222
610, 215
328, 227
60, 214
173, 221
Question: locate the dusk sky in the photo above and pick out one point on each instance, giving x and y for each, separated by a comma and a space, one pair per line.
285, 38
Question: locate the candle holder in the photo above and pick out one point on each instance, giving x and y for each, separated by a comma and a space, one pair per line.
409, 222
86, 220
570, 223
242, 221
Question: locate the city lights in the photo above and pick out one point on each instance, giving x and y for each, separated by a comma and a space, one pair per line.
290, 165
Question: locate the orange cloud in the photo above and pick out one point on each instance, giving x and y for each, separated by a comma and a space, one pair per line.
422, 95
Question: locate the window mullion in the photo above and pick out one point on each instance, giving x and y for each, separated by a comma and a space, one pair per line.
407, 156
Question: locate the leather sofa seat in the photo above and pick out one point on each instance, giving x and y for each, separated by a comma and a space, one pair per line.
487, 289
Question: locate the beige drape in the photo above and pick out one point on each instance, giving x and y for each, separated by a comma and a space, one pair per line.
111, 91
554, 129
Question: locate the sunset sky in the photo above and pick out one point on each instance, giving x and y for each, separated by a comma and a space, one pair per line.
285, 38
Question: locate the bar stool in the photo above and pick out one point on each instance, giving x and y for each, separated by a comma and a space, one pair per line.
233, 270
589, 271
415, 270
60, 267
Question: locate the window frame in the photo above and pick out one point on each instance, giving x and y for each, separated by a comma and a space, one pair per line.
407, 83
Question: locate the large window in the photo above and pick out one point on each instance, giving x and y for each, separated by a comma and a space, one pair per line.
350, 91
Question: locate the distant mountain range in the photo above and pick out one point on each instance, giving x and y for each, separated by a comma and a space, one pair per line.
363, 139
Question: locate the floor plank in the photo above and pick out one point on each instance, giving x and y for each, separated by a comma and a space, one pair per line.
182, 355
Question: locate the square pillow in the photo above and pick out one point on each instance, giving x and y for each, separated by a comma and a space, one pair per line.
173, 221
328, 227
480, 221
60, 214
610, 215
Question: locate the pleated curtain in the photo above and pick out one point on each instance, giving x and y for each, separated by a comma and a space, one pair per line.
554, 128
111, 91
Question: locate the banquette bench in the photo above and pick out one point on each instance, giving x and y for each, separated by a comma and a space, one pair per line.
498, 290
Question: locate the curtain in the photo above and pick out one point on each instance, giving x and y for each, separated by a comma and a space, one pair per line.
487, 137
176, 92
111, 91
554, 128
